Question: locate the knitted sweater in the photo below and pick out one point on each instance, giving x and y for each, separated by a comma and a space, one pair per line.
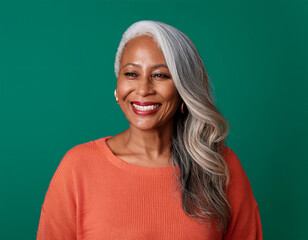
95, 195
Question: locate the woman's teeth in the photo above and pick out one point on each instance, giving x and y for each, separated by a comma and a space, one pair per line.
146, 108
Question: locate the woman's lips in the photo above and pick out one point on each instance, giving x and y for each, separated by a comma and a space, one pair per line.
145, 108
144, 103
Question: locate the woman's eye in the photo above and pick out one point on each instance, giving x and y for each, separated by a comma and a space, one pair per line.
130, 74
159, 75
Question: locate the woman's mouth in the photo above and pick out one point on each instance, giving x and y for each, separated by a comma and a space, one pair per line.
144, 108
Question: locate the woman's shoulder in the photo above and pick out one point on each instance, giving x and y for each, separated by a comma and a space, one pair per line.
79, 161
239, 187
82, 151
87, 147
233, 162
245, 220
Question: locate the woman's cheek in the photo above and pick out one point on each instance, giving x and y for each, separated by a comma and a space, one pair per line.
124, 89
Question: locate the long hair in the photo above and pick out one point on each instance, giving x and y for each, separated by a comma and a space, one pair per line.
199, 134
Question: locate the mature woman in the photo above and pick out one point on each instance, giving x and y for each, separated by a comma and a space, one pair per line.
170, 174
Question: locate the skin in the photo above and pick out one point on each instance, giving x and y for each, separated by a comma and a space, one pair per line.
147, 142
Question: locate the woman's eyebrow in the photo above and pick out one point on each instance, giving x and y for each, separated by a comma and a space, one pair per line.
160, 65
155, 66
133, 64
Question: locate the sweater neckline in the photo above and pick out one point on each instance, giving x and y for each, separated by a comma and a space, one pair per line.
142, 170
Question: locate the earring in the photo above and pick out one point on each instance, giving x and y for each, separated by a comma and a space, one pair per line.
182, 107
115, 94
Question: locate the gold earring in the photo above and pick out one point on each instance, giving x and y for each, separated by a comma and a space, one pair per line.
182, 107
115, 94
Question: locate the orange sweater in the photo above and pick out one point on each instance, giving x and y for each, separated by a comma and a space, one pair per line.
94, 195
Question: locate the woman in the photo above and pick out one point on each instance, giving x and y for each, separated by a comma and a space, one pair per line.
169, 175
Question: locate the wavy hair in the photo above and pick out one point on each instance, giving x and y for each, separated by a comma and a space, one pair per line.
199, 134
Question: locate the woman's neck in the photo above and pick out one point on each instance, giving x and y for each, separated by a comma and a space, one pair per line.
151, 144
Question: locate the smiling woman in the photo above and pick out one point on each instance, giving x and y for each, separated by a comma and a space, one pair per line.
170, 174
147, 94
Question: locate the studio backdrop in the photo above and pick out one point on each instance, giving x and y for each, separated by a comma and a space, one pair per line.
57, 83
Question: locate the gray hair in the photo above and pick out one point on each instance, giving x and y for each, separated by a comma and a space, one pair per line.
199, 134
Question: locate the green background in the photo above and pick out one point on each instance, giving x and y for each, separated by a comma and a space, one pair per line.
57, 82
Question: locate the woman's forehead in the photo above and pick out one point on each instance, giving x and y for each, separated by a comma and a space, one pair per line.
142, 48
141, 41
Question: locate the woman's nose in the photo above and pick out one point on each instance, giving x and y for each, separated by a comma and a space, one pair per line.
144, 86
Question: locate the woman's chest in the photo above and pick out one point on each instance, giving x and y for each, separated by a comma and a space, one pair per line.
140, 208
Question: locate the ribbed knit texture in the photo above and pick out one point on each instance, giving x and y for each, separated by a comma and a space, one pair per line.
94, 195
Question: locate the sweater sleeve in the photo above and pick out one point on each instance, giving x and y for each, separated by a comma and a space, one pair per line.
245, 220
58, 213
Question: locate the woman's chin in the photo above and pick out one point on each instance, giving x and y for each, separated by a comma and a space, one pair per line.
144, 126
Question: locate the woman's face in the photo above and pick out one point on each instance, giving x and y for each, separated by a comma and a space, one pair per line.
146, 92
